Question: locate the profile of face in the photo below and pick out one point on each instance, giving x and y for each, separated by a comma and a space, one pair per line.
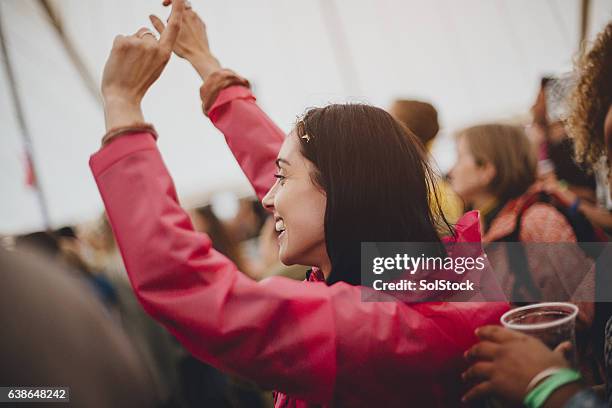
468, 177
298, 206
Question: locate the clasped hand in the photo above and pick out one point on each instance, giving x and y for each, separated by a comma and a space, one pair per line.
134, 64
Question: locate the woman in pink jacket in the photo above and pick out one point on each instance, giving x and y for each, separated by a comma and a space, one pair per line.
346, 174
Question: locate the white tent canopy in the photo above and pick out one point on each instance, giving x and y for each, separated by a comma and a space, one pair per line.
476, 60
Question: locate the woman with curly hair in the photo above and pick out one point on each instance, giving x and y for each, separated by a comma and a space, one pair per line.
590, 124
590, 118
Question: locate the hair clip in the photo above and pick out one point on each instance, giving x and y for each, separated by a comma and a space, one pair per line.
306, 137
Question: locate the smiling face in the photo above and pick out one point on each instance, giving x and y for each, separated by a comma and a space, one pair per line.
298, 207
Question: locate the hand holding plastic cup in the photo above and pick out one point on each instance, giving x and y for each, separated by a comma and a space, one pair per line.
553, 323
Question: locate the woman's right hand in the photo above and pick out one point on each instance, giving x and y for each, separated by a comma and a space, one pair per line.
505, 361
192, 42
134, 64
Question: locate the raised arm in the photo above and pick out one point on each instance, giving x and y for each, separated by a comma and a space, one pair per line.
251, 135
220, 315
265, 332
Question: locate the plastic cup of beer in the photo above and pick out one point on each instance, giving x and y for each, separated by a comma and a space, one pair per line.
552, 322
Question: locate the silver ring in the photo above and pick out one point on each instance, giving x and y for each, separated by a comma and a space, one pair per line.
148, 32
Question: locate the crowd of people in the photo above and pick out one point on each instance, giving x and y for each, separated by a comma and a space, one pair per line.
186, 309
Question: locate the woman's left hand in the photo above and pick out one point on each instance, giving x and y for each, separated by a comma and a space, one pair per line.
192, 43
134, 64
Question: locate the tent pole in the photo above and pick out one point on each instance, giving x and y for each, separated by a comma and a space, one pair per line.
584, 25
25, 133
340, 46
76, 59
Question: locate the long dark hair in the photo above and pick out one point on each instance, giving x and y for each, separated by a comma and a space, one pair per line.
379, 185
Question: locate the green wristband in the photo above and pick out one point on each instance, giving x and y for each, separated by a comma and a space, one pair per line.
538, 396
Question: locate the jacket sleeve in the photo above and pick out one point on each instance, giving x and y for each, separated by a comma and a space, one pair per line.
306, 339
250, 134
218, 313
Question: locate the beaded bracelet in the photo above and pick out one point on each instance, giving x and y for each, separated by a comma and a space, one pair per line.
538, 396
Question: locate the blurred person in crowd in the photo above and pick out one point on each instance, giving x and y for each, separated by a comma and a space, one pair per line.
100, 249
180, 379
562, 177
247, 228
205, 220
554, 148
62, 246
496, 174
70, 248
422, 119
44, 242
159, 351
55, 333
248, 221
71, 253
319, 344
97, 269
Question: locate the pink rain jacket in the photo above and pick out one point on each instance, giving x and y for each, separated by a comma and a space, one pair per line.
316, 344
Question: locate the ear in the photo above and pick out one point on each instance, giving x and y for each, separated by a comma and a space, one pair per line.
488, 173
